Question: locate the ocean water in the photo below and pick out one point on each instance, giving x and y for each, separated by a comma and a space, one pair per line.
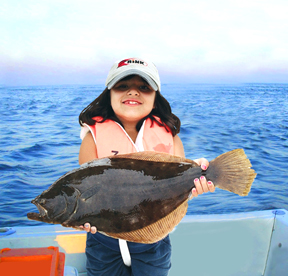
40, 140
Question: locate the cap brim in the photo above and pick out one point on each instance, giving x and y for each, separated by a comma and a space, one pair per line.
130, 72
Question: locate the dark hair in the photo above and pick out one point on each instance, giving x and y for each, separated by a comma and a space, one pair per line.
101, 106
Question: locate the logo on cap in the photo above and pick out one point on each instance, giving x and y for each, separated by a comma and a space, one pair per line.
131, 61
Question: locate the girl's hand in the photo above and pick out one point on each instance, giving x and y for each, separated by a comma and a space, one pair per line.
202, 185
88, 228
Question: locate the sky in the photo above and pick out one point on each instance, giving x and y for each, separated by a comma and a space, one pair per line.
54, 42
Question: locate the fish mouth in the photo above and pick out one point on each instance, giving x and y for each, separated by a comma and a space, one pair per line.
41, 216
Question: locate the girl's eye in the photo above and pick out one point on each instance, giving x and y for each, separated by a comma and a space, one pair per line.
121, 87
145, 88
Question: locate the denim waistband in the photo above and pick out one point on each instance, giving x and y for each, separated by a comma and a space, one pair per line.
114, 243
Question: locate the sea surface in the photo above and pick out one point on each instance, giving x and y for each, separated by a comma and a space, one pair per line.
40, 140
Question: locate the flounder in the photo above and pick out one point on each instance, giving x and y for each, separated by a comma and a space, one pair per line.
138, 197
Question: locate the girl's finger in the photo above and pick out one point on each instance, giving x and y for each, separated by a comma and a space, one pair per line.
198, 186
204, 184
87, 227
211, 186
93, 229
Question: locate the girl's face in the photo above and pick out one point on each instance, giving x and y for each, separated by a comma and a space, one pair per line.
132, 99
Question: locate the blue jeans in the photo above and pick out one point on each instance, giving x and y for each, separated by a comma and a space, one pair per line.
104, 261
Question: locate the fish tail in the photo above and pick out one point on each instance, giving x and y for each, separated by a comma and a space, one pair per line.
232, 171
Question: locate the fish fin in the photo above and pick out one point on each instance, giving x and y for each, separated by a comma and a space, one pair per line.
153, 156
232, 171
157, 230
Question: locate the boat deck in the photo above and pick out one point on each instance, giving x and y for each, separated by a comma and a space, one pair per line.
241, 244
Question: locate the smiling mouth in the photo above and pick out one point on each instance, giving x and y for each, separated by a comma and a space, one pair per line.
131, 102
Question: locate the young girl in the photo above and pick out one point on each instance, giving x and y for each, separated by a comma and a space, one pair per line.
131, 115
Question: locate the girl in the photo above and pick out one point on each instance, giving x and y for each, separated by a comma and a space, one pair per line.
131, 115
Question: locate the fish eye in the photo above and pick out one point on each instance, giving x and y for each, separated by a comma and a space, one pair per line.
42, 201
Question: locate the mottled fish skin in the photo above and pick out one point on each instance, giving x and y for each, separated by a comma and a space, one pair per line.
123, 196
128, 194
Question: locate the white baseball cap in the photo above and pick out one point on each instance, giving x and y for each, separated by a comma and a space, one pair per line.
134, 66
